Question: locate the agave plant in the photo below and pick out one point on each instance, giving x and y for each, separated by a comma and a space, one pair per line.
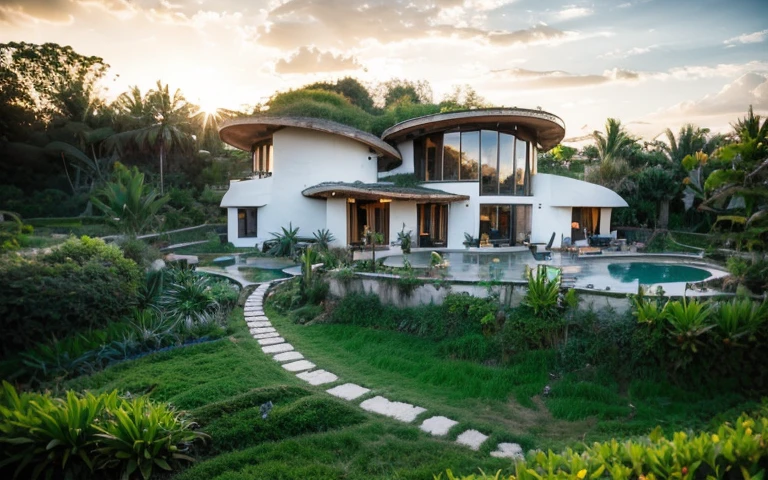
687, 324
285, 243
323, 239
140, 436
189, 300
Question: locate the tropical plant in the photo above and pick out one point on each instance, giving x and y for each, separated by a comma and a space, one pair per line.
140, 435
373, 239
168, 116
128, 203
405, 239
647, 311
739, 320
188, 299
9, 236
542, 294
284, 244
308, 259
613, 146
687, 325
323, 239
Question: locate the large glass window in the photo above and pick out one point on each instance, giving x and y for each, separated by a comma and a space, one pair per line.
470, 155
246, 222
262, 159
489, 179
432, 219
502, 225
498, 160
506, 164
451, 154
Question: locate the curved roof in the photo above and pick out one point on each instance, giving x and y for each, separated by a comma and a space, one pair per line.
377, 191
248, 193
243, 132
570, 192
549, 128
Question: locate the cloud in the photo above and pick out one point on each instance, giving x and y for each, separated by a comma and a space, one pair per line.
618, 53
344, 24
755, 37
570, 12
726, 70
733, 99
310, 60
555, 79
23, 11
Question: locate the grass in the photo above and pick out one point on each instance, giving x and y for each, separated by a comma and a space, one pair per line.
309, 434
505, 400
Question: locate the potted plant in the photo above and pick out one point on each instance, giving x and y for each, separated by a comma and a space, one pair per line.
404, 238
469, 240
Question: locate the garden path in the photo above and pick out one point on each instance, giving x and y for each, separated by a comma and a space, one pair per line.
281, 351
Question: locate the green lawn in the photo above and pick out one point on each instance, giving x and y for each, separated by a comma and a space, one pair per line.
309, 434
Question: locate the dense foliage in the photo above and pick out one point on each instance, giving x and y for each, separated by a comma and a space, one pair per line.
733, 450
91, 436
83, 284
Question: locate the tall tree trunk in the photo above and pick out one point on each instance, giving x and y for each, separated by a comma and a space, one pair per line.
161, 168
663, 214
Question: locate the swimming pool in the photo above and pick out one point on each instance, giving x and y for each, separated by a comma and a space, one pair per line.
618, 273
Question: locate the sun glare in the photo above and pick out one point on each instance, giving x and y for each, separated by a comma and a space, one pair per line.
208, 107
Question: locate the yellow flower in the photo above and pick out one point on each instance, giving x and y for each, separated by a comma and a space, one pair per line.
748, 431
715, 439
495, 260
582, 473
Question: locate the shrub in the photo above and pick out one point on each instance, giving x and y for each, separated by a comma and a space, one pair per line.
83, 284
733, 450
139, 251
73, 437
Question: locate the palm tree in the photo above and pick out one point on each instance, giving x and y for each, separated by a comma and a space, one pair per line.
128, 203
615, 142
612, 147
168, 131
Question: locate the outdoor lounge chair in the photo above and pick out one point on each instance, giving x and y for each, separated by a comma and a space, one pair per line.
546, 254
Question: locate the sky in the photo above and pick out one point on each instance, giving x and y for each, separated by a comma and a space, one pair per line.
652, 64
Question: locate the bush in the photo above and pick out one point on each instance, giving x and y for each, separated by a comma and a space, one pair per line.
139, 251
738, 448
83, 284
81, 434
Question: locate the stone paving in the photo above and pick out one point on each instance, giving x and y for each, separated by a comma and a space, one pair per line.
283, 352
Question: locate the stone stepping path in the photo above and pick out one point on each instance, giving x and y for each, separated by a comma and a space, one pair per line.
472, 439
438, 426
283, 352
404, 412
348, 391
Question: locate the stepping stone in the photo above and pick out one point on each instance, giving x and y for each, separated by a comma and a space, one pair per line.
258, 336
472, 439
277, 348
397, 410
318, 377
256, 331
288, 356
508, 450
263, 324
437, 425
256, 318
271, 341
348, 391
299, 366
253, 311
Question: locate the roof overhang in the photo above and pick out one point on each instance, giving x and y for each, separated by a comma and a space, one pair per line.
547, 128
245, 132
379, 191
570, 192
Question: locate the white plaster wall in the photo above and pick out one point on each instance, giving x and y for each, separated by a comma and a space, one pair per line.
303, 158
336, 220
399, 213
605, 221
406, 152
550, 219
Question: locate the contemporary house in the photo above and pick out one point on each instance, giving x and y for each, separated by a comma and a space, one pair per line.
476, 173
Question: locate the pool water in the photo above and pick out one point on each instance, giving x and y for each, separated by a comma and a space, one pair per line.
652, 273
600, 273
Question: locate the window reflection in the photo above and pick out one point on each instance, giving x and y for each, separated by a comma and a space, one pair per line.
489, 161
470, 155
451, 153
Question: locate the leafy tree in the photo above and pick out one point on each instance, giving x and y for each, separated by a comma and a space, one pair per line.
168, 130
350, 88
128, 203
613, 146
736, 186
396, 90
463, 97
50, 80
659, 184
